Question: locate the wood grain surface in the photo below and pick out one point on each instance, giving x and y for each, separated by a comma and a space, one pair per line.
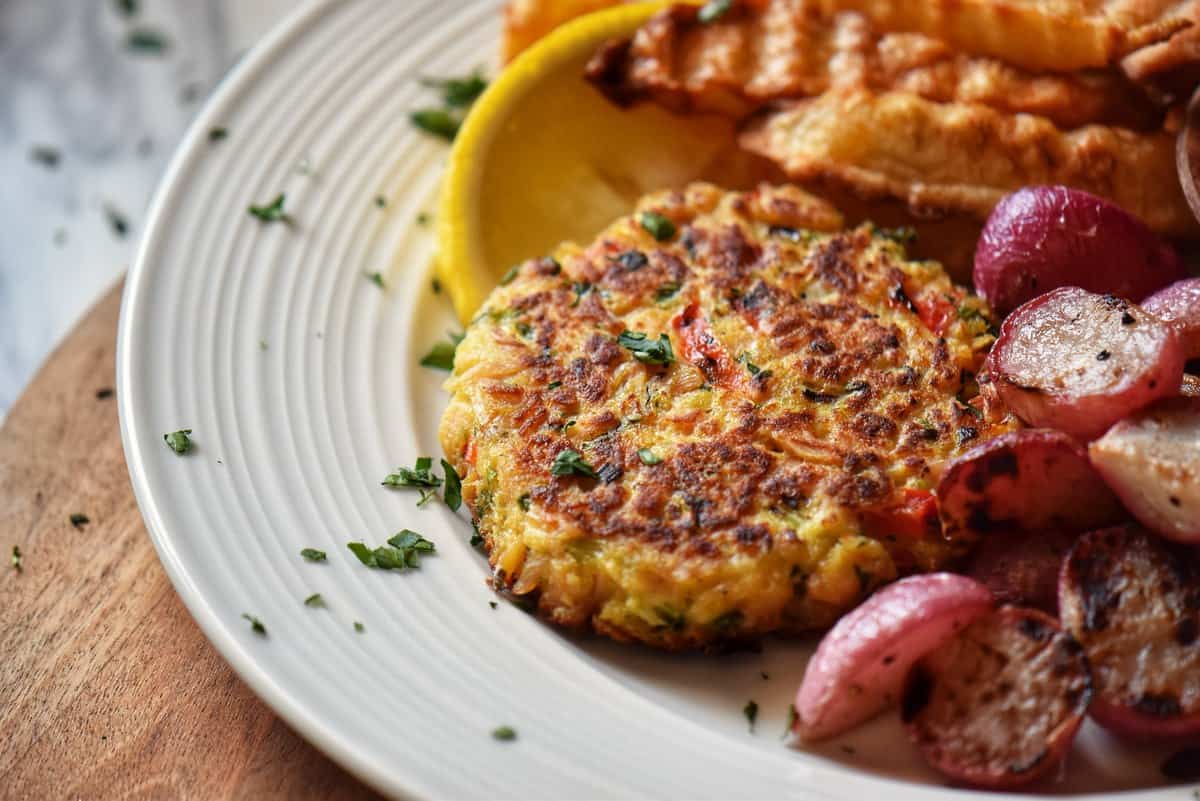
108, 690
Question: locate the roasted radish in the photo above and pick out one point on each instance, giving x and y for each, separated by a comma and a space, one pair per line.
1179, 305
1152, 460
1043, 237
1028, 480
860, 665
999, 704
1133, 603
1079, 362
1021, 567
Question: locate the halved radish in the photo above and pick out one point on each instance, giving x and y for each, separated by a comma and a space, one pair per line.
1152, 460
1031, 479
1133, 603
1042, 237
1021, 567
860, 665
1179, 305
1079, 362
999, 704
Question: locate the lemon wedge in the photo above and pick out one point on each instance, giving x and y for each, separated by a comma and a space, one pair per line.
543, 158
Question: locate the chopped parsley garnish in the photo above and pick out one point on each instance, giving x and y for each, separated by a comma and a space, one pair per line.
458, 92
16, 558
144, 40
713, 10
525, 501
791, 721
554, 385
179, 441
632, 260
441, 355
493, 604
667, 291
968, 313
79, 520
272, 212
256, 625
116, 220
570, 462
128, 7
402, 551
217, 134
104, 393
657, 225
509, 275
436, 121
452, 494
381, 201
376, 278
646, 350
504, 733
580, 288
419, 475
359, 627
750, 710
314, 600
751, 366
45, 155
313, 555
649, 457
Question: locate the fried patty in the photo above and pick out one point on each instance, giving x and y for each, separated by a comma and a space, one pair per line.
720, 419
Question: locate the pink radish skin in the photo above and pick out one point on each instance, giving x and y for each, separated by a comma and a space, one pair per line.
860, 665
1152, 460
1133, 602
1179, 305
1021, 567
999, 704
1079, 362
1043, 237
1031, 479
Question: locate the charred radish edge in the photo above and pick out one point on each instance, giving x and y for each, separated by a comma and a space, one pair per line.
1046, 692
1152, 460
1026, 480
1105, 571
859, 667
1021, 567
1187, 154
1079, 362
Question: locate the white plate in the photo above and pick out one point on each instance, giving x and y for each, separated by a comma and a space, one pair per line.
292, 439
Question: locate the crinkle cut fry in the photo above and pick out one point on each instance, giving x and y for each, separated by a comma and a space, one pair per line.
948, 157
1055, 35
789, 49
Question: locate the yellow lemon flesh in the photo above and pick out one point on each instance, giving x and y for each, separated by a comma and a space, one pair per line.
543, 158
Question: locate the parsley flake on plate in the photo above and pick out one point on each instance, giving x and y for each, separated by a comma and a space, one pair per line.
570, 462
313, 555
458, 92
436, 121
403, 551
376, 278
144, 40
217, 134
256, 625
79, 520
419, 475
315, 600
505, 733
359, 627
272, 212
16, 558
750, 710
646, 350
47, 156
657, 225
179, 441
441, 355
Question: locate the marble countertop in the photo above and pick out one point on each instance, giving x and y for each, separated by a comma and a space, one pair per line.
95, 95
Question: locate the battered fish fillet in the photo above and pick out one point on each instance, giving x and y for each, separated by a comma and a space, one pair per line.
788, 49
958, 157
1056, 35
759, 461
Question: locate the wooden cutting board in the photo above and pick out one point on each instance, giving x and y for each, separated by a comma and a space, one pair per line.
108, 690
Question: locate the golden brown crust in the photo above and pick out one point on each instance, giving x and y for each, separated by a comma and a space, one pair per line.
788, 49
957, 157
764, 480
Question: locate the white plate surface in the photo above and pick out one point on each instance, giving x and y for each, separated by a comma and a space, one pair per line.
299, 378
